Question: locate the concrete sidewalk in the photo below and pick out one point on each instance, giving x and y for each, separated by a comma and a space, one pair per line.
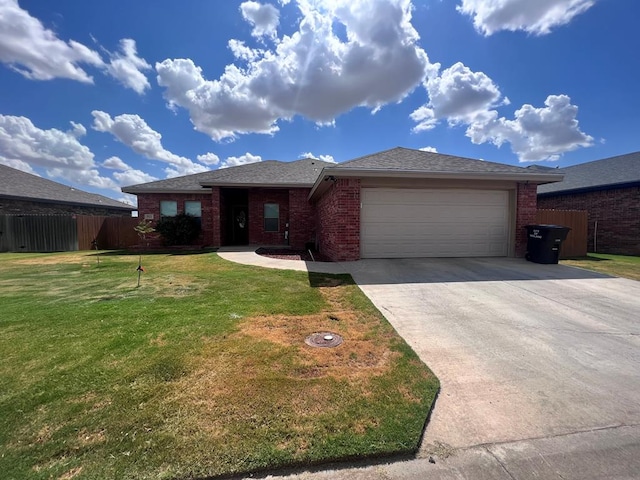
248, 256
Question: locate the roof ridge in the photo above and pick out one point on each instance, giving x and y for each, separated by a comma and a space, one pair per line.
371, 155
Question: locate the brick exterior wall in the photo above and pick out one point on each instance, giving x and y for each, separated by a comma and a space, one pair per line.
257, 198
23, 207
617, 212
302, 221
215, 217
526, 208
149, 203
338, 221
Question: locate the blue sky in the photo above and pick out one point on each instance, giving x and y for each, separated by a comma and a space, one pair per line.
99, 95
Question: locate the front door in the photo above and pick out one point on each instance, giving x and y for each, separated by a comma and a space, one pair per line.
239, 225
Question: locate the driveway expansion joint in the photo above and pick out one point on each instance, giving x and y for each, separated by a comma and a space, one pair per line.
502, 465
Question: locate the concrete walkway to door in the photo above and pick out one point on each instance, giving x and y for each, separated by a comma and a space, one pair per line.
538, 365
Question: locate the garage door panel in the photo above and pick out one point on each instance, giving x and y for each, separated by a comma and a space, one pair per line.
434, 223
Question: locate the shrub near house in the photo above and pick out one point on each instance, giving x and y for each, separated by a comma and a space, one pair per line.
182, 229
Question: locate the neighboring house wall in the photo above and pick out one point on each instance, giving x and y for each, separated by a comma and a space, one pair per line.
257, 199
617, 212
10, 206
302, 223
338, 221
149, 203
526, 209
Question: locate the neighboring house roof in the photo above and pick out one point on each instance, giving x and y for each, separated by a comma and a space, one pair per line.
19, 185
623, 170
270, 173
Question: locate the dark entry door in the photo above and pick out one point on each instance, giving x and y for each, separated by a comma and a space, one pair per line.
239, 225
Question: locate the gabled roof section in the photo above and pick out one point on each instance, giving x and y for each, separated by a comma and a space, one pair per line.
406, 159
402, 162
20, 185
599, 174
270, 173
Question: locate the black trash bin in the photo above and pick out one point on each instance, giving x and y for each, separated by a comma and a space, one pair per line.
544, 241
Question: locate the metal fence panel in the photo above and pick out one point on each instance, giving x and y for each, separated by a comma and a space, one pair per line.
39, 233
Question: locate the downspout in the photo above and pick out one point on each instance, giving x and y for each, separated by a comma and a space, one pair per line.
595, 237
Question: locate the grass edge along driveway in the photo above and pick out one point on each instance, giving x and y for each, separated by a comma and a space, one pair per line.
202, 371
625, 266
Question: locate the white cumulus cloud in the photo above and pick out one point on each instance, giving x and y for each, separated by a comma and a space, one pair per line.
241, 160
21, 140
115, 163
429, 149
18, 165
538, 17
313, 73
23, 145
125, 174
461, 96
457, 94
36, 52
324, 158
209, 159
134, 132
535, 133
263, 17
127, 67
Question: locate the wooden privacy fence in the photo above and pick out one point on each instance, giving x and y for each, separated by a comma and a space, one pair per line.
110, 233
65, 233
576, 243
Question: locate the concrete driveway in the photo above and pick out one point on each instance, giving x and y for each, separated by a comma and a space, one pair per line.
522, 350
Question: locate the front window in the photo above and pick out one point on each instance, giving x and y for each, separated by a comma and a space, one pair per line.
194, 209
271, 217
168, 208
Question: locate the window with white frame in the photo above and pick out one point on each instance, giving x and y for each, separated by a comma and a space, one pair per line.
271, 217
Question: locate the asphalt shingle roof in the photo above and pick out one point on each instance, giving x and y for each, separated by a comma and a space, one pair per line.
399, 159
270, 172
623, 169
18, 184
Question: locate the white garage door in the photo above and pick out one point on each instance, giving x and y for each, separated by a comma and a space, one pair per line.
434, 223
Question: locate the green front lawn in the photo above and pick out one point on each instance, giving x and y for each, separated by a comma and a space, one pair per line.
201, 371
616, 265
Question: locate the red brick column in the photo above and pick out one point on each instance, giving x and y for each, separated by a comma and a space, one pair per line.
215, 217
302, 225
526, 208
338, 214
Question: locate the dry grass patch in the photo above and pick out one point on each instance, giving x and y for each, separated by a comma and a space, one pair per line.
202, 371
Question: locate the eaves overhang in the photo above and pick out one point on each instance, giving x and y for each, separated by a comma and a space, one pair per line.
69, 202
589, 189
142, 191
328, 174
256, 185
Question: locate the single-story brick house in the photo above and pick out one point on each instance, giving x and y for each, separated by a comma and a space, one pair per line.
395, 203
22, 193
609, 190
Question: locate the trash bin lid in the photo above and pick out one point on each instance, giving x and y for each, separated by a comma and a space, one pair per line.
548, 227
